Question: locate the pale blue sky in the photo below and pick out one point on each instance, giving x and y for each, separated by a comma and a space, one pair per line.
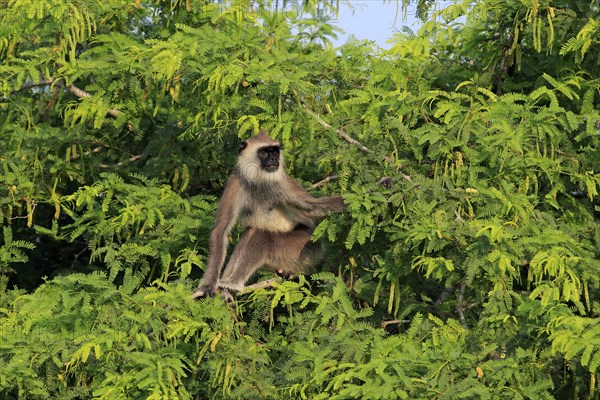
373, 20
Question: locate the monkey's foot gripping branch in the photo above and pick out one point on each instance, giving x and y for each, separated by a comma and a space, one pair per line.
247, 289
198, 293
227, 296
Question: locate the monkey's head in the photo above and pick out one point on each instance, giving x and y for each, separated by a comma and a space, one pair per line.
260, 159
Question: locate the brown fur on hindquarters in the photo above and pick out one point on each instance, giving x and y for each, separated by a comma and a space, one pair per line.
286, 253
276, 211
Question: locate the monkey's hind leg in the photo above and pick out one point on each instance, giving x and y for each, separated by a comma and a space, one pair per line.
286, 253
294, 253
247, 257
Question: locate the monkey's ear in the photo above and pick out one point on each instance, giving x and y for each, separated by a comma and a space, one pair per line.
243, 145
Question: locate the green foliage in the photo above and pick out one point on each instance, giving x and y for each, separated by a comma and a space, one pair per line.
134, 227
468, 154
12, 251
158, 343
580, 341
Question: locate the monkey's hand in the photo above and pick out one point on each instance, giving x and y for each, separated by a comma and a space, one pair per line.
337, 204
315, 207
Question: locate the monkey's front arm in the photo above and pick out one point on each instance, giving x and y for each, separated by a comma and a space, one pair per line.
226, 217
314, 207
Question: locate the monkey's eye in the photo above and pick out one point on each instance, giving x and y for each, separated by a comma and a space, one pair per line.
243, 145
262, 153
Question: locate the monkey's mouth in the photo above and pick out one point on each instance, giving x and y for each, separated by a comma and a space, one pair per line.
271, 167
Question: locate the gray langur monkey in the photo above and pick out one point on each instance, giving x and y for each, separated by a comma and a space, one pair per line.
277, 215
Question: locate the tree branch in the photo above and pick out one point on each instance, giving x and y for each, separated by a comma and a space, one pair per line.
385, 324
347, 137
82, 94
120, 163
261, 285
322, 182
31, 84
459, 306
340, 132
445, 293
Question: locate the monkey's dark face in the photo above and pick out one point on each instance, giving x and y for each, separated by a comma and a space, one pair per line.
269, 158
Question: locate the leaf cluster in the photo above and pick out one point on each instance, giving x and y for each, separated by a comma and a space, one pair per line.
468, 155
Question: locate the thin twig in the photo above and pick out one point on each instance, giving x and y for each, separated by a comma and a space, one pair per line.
347, 137
340, 132
322, 182
76, 257
445, 293
459, 306
31, 84
384, 324
120, 163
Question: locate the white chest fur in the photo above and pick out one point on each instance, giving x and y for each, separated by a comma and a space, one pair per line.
274, 220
